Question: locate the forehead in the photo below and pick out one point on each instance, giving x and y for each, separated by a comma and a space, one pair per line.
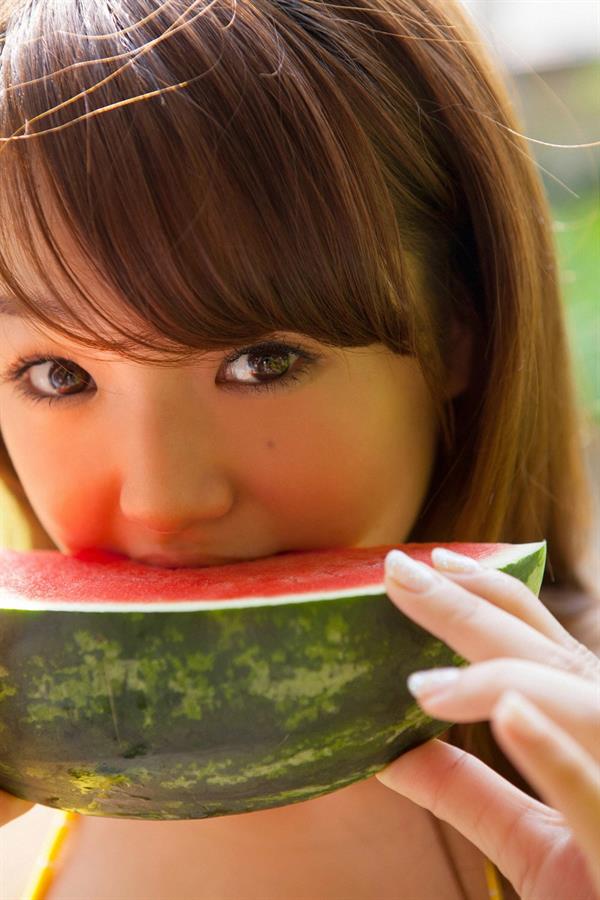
13, 313
10, 306
18, 322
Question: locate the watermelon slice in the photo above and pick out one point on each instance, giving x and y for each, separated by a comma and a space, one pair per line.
136, 691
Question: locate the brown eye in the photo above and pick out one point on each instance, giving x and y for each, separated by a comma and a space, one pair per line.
269, 366
59, 376
266, 364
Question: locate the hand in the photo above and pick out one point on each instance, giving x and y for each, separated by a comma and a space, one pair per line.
540, 689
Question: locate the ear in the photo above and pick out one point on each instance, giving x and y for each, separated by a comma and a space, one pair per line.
460, 349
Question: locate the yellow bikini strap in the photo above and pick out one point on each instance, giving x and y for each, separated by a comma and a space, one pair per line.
45, 866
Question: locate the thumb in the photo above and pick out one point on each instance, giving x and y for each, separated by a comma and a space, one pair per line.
12, 807
513, 830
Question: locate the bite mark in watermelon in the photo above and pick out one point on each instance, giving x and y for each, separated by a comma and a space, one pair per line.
130, 690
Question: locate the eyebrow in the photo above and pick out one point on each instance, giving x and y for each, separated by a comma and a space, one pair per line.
9, 306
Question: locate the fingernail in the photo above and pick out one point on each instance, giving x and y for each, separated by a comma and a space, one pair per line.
407, 572
429, 680
449, 561
386, 776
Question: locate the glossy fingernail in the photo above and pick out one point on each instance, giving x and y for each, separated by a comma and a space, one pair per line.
407, 572
449, 561
429, 680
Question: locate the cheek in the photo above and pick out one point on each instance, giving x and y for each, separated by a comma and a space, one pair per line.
54, 472
336, 477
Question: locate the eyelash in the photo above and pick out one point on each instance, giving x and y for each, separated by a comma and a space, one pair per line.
19, 368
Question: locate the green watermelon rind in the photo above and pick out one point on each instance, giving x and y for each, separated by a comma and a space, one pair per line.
282, 703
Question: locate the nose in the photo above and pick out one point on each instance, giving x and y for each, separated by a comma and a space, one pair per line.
174, 503
172, 477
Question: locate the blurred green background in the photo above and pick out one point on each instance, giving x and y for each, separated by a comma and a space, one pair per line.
549, 51
561, 105
577, 227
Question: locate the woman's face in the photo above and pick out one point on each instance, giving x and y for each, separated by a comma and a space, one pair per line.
190, 464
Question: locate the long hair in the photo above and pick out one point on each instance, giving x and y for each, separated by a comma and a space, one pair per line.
352, 172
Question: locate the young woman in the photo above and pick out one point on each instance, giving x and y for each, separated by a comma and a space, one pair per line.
279, 276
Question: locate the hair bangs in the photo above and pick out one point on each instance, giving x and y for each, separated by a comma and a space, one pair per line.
188, 179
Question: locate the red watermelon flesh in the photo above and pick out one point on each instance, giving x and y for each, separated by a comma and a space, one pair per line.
104, 577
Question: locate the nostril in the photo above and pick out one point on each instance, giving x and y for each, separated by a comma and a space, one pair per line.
154, 524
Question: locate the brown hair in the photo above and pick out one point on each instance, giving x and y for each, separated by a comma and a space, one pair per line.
350, 172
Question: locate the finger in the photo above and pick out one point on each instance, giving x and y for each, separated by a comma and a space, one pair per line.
12, 807
511, 595
561, 771
503, 822
470, 695
503, 590
472, 626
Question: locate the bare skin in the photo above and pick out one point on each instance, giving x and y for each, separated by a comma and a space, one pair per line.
147, 460
171, 461
363, 842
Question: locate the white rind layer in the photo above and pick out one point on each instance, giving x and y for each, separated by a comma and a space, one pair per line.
8, 600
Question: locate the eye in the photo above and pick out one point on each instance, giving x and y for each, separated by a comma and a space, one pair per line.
261, 367
61, 375
38, 378
267, 366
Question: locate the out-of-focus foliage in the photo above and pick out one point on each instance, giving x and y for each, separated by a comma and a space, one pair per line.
560, 111
577, 225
